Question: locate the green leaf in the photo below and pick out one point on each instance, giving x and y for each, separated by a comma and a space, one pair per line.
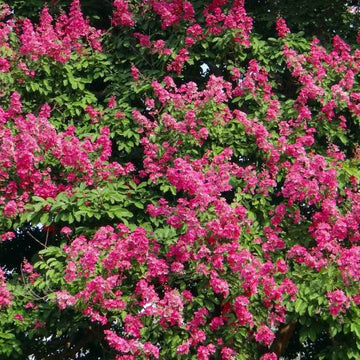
121, 212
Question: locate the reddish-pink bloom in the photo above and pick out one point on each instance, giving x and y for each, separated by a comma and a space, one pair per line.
135, 73
338, 302
10, 209
30, 305
150, 349
18, 317
264, 335
133, 325
219, 286
183, 349
112, 102
7, 236
117, 342
64, 299
227, 353
243, 314
269, 356
122, 15
5, 295
66, 231
282, 28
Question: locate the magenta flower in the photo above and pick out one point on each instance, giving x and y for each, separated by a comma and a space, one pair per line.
281, 28
264, 335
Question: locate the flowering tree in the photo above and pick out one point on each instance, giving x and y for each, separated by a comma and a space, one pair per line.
176, 186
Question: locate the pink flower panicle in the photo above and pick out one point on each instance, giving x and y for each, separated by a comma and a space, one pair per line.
269, 356
338, 302
5, 295
57, 40
264, 335
122, 15
281, 27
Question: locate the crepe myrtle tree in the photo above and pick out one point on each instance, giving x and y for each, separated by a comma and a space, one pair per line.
176, 186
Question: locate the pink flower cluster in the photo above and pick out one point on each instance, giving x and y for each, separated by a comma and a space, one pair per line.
5, 295
122, 15
282, 28
58, 40
219, 20
173, 11
23, 167
264, 335
338, 302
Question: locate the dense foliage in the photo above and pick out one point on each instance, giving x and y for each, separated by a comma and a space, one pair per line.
175, 184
